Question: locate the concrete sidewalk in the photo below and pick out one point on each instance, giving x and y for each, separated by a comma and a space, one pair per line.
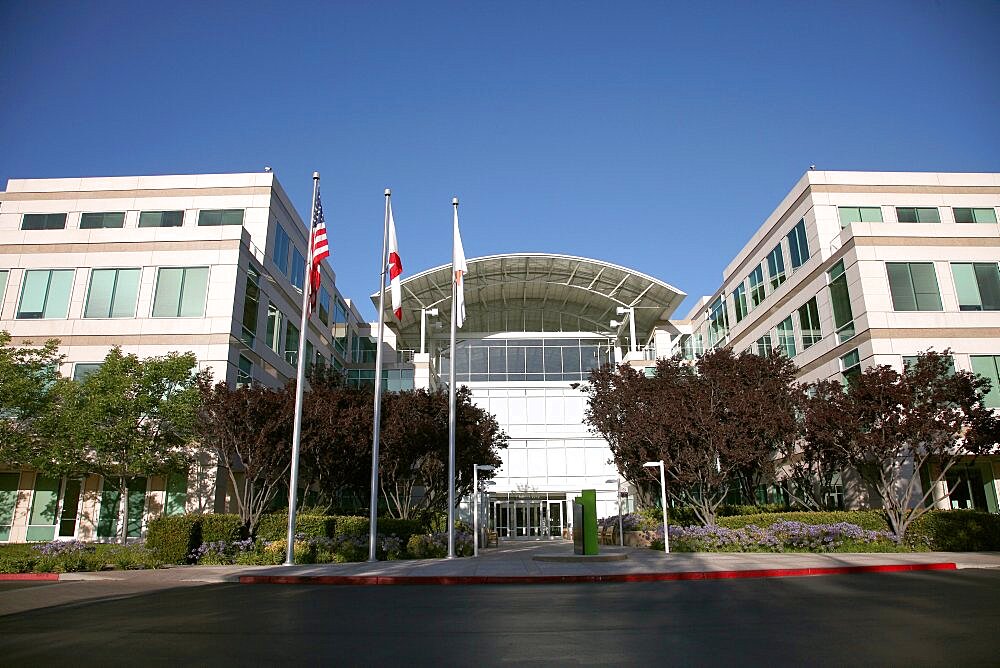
515, 561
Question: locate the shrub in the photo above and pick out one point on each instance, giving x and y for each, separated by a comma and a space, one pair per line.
435, 545
305, 551
274, 526
18, 561
778, 537
873, 520
956, 531
216, 527
69, 556
173, 537
402, 528
351, 525
131, 557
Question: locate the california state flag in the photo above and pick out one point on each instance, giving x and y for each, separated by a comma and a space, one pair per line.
395, 270
460, 269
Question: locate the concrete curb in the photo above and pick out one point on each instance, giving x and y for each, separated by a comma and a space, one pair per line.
30, 577
577, 579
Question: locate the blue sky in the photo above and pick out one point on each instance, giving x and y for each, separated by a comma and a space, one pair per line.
653, 135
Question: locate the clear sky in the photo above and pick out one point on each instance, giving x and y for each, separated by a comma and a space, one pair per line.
653, 135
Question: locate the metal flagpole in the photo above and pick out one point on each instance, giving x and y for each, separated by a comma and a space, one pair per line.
376, 426
300, 381
451, 402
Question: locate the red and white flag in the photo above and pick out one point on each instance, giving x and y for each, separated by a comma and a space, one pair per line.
395, 270
460, 268
320, 251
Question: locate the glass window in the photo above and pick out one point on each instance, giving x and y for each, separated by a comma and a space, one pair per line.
989, 366
340, 328
740, 302
281, 246
763, 346
809, 323
798, 248
756, 281
917, 214
161, 218
83, 369
324, 305
251, 306
45, 294
177, 484
244, 373
964, 215
913, 286
910, 360
859, 214
298, 269
978, 285
3, 284
718, 321
44, 508
776, 267
113, 293
291, 343
786, 337
180, 292
211, 217
274, 318
843, 317
850, 366
94, 221
43, 221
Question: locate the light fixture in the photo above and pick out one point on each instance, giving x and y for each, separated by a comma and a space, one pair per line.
615, 323
621, 310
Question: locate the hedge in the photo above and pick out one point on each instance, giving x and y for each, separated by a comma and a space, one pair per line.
274, 526
957, 531
941, 530
872, 520
173, 537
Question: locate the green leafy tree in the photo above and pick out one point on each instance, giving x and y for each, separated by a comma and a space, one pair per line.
889, 426
130, 418
28, 375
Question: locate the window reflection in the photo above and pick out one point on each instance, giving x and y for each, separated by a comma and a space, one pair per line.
506, 360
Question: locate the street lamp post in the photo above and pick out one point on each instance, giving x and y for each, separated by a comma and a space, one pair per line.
475, 505
424, 312
630, 312
618, 491
663, 500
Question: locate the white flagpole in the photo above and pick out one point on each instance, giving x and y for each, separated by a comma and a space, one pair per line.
376, 426
451, 401
300, 381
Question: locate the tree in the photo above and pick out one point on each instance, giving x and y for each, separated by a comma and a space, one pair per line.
130, 418
250, 429
336, 438
890, 426
28, 375
715, 425
414, 449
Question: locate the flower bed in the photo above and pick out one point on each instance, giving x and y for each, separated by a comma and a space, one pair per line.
783, 536
71, 556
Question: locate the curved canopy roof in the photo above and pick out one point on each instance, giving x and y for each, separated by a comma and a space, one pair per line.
536, 292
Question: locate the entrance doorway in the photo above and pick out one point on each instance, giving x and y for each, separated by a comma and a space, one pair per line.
528, 517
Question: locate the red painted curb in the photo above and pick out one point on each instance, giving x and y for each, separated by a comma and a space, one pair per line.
577, 579
28, 576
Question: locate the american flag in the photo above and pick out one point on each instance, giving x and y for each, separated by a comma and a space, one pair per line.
320, 250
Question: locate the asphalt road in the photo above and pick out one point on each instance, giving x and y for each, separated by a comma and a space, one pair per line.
911, 619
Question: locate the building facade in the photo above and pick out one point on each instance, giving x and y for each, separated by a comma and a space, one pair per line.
212, 264
536, 325
854, 269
